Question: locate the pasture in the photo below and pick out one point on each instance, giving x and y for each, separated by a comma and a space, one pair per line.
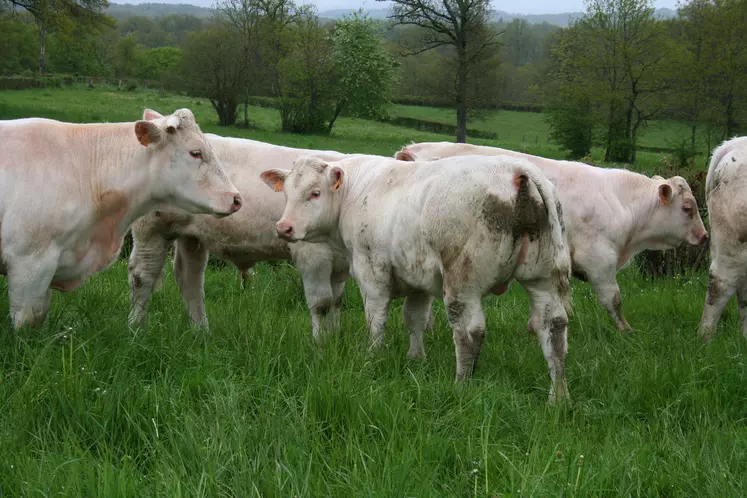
92, 408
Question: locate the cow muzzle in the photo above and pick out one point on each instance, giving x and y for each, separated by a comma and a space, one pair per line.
285, 230
231, 202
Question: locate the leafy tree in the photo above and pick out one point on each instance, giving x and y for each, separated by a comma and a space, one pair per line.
304, 78
18, 44
461, 25
156, 64
60, 15
364, 66
211, 68
614, 58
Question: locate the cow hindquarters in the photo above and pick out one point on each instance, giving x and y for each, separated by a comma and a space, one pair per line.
190, 261
549, 320
722, 285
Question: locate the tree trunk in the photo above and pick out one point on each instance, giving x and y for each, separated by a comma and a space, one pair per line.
692, 134
730, 124
338, 109
42, 48
461, 96
610, 132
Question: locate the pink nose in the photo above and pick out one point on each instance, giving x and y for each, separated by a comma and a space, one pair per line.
284, 228
236, 203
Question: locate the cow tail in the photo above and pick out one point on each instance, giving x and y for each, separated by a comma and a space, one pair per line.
562, 256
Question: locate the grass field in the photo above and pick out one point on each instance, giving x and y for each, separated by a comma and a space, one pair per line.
92, 408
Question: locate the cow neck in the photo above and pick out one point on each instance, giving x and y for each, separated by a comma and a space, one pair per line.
123, 169
639, 196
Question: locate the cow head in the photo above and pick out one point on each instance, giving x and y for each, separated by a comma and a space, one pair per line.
312, 195
677, 213
187, 174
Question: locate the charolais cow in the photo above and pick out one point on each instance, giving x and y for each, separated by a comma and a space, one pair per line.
457, 228
726, 198
243, 239
71, 191
611, 214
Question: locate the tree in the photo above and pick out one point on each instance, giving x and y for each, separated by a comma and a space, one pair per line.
364, 67
211, 68
461, 25
55, 15
615, 59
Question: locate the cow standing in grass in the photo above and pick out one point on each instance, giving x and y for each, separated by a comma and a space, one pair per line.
243, 239
71, 191
611, 214
458, 228
726, 198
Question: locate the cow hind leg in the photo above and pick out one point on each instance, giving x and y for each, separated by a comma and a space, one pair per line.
549, 320
468, 327
144, 270
190, 261
720, 289
415, 314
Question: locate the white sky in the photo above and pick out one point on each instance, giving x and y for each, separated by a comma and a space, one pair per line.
512, 7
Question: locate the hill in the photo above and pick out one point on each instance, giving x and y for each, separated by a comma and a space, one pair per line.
125, 10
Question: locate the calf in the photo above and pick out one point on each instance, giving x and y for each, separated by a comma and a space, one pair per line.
243, 239
726, 198
611, 214
458, 228
70, 192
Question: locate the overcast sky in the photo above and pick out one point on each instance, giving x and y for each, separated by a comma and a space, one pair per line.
514, 7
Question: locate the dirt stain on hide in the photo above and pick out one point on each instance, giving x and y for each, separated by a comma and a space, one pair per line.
455, 310
524, 216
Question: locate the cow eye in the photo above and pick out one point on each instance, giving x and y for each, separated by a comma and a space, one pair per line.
197, 154
315, 194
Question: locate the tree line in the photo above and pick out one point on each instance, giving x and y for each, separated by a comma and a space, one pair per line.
600, 79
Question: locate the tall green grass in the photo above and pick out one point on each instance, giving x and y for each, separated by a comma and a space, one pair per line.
89, 407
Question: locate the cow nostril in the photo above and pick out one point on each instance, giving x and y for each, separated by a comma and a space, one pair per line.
237, 200
289, 230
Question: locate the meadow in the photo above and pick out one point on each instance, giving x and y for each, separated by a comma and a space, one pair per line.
254, 408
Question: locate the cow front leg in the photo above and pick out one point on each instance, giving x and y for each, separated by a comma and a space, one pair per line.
190, 261
720, 289
376, 305
29, 280
144, 269
608, 292
415, 314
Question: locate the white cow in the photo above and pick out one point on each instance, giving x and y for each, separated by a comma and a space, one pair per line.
244, 239
460, 228
611, 214
726, 198
70, 192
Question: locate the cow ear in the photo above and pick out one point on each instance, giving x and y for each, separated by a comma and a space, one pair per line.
147, 133
150, 115
275, 178
404, 155
665, 193
335, 178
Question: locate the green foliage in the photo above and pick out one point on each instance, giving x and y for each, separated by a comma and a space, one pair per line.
305, 94
19, 44
364, 66
159, 63
572, 123
211, 68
